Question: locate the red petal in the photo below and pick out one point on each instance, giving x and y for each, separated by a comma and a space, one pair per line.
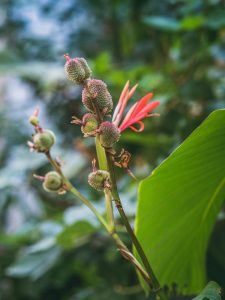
142, 127
142, 102
148, 108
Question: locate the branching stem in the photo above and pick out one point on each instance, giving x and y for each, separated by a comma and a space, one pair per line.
110, 227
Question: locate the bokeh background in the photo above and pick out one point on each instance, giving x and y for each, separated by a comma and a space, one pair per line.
51, 247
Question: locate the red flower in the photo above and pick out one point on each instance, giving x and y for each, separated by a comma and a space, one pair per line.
136, 113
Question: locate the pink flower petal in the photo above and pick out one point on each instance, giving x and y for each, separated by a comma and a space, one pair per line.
132, 91
128, 116
126, 95
121, 100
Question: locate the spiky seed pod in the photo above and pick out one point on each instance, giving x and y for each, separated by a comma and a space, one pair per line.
89, 123
109, 134
43, 141
53, 182
77, 69
99, 179
96, 93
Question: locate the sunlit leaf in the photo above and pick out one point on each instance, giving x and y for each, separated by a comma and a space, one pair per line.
192, 22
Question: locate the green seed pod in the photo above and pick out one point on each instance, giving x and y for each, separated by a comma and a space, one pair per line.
89, 123
77, 69
99, 179
96, 93
33, 120
53, 182
43, 141
109, 134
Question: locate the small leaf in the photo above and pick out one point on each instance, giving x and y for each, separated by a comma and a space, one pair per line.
42, 245
69, 236
211, 292
192, 22
163, 22
34, 265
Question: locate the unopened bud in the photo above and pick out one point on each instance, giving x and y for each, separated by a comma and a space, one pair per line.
53, 182
77, 69
44, 140
33, 120
96, 94
89, 123
109, 134
99, 179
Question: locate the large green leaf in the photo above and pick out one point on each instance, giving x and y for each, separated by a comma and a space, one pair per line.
179, 203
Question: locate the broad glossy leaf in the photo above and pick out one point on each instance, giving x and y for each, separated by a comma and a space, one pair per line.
179, 203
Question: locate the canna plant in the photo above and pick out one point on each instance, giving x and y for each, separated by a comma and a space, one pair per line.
106, 127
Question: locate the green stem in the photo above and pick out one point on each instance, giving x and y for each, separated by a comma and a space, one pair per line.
155, 283
109, 210
74, 191
100, 154
110, 229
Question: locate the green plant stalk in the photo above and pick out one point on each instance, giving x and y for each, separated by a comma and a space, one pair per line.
105, 160
102, 161
121, 246
137, 245
154, 282
76, 193
109, 210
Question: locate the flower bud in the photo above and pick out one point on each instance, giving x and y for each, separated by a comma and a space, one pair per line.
33, 120
99, 179
109, 134
53, 182
77, 69
89, 123
96, 94
44, 140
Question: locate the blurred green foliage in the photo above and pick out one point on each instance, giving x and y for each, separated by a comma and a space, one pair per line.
174, 48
